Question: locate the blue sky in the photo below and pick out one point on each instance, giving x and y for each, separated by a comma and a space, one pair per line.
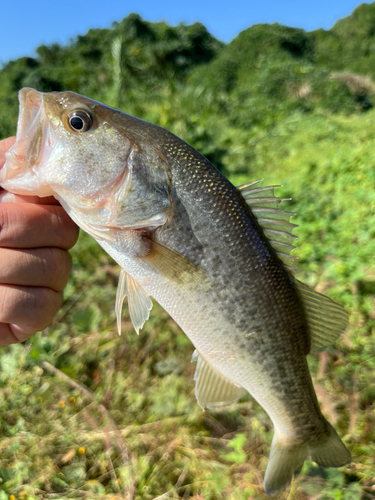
26, 24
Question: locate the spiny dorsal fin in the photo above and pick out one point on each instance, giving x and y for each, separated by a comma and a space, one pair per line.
212, 389
261, 196
326, 319
139, 302
275, 222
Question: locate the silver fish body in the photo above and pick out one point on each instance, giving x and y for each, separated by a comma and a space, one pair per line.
183, 234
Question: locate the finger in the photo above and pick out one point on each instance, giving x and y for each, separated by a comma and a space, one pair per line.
30, 308
30, 226
13, 334
5, 144
46, 267
7, 336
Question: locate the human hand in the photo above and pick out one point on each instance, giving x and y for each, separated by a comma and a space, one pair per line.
35, 234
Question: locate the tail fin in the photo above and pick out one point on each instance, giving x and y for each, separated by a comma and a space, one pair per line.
331, 452
285, 462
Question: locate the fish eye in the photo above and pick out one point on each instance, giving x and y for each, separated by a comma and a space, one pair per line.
80, 120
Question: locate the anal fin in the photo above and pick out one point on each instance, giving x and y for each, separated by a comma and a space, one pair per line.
139, 302
212, 389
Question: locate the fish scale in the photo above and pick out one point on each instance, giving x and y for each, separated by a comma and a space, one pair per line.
183, 234
246, 299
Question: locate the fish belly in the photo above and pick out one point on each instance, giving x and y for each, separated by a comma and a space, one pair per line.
274, 375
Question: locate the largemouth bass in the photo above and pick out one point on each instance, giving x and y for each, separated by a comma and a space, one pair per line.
216, 257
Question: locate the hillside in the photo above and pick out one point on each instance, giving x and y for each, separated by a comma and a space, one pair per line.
350, 44
266, 70
116, 65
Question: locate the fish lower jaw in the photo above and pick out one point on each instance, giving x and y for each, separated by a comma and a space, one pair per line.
15, 165
23, 184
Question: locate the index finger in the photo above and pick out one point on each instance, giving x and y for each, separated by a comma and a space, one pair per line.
32, 225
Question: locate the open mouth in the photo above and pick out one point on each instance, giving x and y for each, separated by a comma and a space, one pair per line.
30, 106
26, 152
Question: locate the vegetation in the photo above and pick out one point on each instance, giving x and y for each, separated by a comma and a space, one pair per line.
85, 414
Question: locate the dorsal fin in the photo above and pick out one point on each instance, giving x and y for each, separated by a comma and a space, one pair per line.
212, 389
275, 222
139, 303
326, 319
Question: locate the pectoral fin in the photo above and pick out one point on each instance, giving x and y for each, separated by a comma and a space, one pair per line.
212, 389
174, 266
139, 302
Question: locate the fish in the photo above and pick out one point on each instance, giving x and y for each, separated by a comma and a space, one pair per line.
215, 256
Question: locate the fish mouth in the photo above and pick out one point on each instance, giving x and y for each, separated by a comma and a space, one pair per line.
27, 151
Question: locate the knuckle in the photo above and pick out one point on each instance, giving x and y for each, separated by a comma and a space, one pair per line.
6, 302
6, 224
63, 269
67, 229
56, 265
42, 306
